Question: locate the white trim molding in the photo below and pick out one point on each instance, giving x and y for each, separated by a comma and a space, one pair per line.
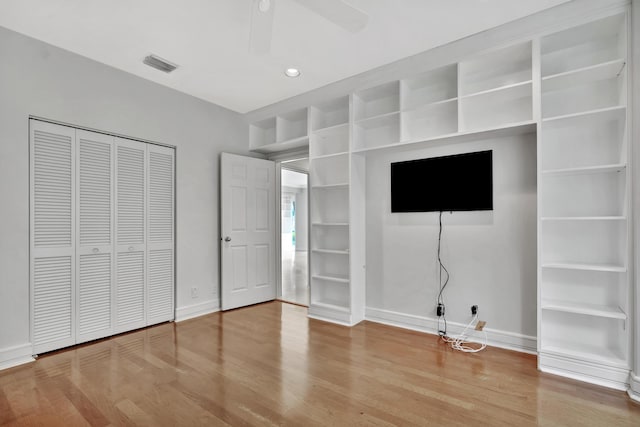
197, 310
495, 337
328, 315
634, 387
16, 355
598, 373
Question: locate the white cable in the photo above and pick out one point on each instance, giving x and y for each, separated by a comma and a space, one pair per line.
461, 342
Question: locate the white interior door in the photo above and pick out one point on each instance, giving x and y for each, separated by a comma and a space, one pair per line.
94, 241
52, 277
130, 295
248, 226
160, 234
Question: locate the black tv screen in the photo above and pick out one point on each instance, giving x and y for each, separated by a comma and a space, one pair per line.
463, 182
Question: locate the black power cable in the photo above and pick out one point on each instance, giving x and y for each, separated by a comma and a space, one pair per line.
442, 268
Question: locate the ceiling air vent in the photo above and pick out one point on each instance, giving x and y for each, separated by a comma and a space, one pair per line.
159, 63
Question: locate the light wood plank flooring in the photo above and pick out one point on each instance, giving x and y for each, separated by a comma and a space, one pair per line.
269, 365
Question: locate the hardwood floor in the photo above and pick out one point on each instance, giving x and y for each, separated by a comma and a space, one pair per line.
270, 365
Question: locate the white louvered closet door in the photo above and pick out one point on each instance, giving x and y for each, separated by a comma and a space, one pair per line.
52, 236
160, 234
130, 209
94, 243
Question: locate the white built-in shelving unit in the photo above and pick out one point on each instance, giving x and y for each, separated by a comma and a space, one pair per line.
571, 88
488, 95
333, 282
583, 194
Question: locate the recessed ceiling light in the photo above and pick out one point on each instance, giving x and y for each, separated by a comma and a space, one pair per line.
292, 72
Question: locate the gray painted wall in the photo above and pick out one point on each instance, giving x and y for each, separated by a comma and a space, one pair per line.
41, 80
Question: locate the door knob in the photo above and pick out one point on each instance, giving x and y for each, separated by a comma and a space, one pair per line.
227, 239
96, 250
131, 248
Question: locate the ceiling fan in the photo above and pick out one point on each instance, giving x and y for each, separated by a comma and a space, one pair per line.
336, 11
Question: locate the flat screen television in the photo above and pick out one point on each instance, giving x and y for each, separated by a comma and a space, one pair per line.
463, 182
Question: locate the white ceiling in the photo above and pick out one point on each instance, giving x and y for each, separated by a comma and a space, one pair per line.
209, 39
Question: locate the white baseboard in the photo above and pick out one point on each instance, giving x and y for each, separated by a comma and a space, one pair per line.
328, 315
496, 338
634, 387
196, 310
615, 377
14, 356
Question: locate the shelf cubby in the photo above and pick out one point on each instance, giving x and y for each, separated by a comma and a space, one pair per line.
584, 242
330, 114
328, 141
281, 133
332, 238
330, 206
292, 125
584, 336
377, 131
591, 139
504, 106
377, 101
430, 87
430, 121
586, 75
499, 68
330, 294
262, 133
584, 287
330, 265
583, 194
584, 46
596, 310
578, 95
330, 170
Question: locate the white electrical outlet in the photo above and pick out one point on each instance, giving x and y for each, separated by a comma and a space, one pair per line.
194, 292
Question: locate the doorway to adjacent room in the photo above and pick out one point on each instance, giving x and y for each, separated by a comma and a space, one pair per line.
294, 237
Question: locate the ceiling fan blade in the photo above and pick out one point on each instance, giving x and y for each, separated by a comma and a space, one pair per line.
338, 12
261, 30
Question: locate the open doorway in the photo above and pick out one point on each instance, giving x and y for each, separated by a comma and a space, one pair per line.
294, 237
